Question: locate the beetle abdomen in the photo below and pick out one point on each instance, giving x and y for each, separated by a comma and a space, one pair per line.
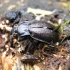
43, 32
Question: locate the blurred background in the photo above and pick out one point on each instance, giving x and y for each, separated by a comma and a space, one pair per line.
6, 5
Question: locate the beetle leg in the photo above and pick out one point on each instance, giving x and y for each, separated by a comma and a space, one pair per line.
64, 39
22, 38
32, 46
51, 48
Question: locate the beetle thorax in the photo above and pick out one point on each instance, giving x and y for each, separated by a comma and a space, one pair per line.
23, 29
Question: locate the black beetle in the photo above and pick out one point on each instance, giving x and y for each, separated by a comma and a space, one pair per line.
38, 30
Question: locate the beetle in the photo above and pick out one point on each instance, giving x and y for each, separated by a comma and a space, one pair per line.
38, 30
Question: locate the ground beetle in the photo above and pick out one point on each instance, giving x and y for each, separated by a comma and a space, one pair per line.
38, 30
